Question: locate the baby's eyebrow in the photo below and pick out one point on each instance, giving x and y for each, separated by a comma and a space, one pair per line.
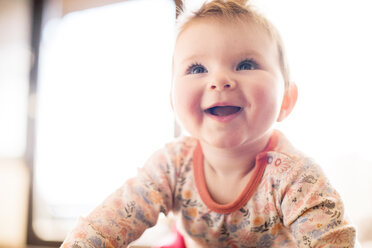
250, 54
194, 58
247, 54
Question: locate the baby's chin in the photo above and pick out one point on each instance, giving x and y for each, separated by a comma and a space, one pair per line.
224, 142
217, 139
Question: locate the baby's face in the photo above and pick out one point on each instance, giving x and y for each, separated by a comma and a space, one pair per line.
227, 83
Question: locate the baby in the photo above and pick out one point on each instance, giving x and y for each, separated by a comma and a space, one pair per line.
235, 182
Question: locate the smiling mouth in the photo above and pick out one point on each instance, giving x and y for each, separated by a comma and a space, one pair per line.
223, 110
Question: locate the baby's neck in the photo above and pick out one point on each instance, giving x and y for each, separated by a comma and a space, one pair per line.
228, 171
234, 162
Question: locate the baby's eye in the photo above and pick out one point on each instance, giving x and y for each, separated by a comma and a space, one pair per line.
196, 69
247, 64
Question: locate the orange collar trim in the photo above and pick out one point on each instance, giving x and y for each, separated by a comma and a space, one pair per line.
250, 188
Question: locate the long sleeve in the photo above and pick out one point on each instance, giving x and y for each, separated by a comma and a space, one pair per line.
313, 210
130, 210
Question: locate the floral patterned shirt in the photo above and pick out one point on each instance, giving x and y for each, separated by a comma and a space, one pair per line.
287, 203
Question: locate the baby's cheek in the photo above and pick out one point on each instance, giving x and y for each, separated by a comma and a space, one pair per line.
268, 103
187, 103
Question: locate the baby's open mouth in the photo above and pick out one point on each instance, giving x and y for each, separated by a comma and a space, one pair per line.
223, 110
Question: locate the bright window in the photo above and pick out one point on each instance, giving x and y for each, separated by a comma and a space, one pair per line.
103, 106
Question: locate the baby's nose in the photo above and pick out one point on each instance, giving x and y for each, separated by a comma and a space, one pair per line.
221, 85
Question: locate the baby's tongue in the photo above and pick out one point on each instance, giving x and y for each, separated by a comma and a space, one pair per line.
225, 110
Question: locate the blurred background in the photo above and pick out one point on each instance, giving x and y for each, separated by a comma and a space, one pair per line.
84, 101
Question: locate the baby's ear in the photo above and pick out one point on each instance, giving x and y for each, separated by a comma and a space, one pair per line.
289, 101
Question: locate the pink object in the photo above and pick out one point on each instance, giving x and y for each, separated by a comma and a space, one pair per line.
175, 240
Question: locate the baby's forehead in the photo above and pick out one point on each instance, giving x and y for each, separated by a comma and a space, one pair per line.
245, 26
216, 30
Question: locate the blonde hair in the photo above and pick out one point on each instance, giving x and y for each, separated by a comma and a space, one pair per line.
234, 10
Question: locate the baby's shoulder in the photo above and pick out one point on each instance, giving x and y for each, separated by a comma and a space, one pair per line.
182, 145
282, 164
286, 162
180, 150
290, 174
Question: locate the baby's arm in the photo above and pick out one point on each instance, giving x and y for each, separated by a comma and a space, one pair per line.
129, 211
313, 210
